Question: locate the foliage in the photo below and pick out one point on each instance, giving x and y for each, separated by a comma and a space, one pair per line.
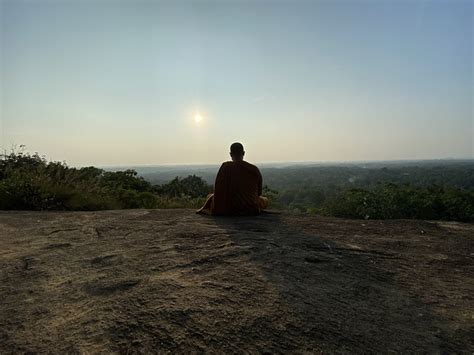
426, 190
191, 186
273, 198
30, 182
403, 201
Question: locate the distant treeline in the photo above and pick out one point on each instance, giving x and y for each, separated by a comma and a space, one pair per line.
426, 191
31, 182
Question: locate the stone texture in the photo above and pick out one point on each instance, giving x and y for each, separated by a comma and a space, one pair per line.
171, 281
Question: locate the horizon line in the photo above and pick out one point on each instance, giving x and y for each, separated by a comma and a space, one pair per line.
293, 162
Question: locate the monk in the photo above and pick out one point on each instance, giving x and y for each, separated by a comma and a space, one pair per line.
238, 188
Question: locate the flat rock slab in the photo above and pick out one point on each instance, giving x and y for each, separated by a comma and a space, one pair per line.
172, 281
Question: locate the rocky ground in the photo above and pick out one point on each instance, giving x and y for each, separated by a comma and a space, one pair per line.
172, 281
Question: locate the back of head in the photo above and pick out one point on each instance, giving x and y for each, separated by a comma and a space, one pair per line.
237, 151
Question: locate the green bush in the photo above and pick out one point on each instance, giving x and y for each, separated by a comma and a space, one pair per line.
403, 201
192, 186
32, 183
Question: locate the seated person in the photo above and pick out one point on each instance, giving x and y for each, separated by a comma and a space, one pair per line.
238, 188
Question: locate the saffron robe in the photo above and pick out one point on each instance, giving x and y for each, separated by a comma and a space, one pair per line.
237, 191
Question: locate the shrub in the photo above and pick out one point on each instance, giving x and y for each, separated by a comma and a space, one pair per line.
30, 182
403, 201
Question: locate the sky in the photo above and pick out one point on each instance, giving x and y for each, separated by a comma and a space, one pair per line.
107, 82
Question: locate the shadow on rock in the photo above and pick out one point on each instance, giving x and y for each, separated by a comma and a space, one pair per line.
343, 299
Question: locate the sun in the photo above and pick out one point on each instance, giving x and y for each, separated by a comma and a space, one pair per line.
197, 117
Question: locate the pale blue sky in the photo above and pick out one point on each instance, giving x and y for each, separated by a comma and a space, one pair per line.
119, 82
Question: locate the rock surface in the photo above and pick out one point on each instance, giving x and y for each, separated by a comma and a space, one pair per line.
172, 281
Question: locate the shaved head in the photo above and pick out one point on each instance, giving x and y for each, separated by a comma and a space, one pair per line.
237, 148
237, 151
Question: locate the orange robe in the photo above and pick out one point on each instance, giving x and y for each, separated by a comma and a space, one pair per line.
237, 191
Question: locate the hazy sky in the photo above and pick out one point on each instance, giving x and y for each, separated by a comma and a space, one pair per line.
120, 82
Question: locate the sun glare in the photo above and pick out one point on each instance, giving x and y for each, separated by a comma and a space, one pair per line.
197, 117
